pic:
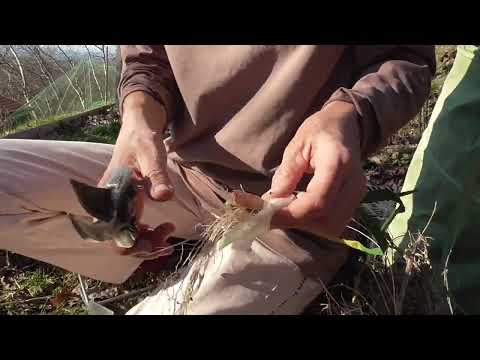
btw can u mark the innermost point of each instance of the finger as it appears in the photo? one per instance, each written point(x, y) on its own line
point(153, 165)
point(158, 237)
point(106, 175)
point(139, 204)
point(152, 241)
point(352, 194)
point(321, 193)
point(246, 200)
point(334, 223)
point(328, 176)
point(119, 161)
point(158, 240)
point(295, 163)
point(136, 175)
point(282, 219)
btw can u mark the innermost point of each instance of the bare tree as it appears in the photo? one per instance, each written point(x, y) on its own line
point(69, 59)
point(104, 51)
point(75, 87)
point(93, 69)
point(15, 83)
point(72, 65)
point(106, 74)
point(10, 79)
point(22, 74)
point(26, 70)
point(35, 51)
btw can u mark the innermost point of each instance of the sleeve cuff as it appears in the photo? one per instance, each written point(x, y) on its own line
point(163, 97)
point(370, 134)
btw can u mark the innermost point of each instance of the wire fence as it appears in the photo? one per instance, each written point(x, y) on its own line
point(89, 85)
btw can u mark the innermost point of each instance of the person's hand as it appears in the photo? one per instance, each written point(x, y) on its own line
point(150, 243)
point(140, 147)
point(327, 145)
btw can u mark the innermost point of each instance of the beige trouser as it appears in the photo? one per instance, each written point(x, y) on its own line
point(35, 197)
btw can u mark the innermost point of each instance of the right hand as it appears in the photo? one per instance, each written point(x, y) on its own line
point(140, 145)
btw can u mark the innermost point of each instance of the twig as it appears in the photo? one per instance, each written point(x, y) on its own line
point(26, 301)
point(406, 280)
point(42, 309)
point(83, 290)
point(329, 295)
point(379, 286)
point(445, 280)
point(361, 233)
point(128, 295)
point(365, 301)
point(391, 270)
point(431, 217)
point(392, 276)
point(357, 280)
point(17, 284)
point(409, 257)
point(7, 258)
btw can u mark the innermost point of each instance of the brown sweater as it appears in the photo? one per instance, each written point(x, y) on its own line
point(232, 109)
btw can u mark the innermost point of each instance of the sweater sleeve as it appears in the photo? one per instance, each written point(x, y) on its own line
point(147, 68)
point(389, 87)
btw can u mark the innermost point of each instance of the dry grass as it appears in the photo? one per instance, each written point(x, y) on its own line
point(379, 288)
point(376, 286)
point(187, 277)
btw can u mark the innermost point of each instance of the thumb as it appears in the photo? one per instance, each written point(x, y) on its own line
point(105, 177)
point(153, 166)
point(289, 173)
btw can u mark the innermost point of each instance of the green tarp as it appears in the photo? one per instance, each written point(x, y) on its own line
point(445, 171)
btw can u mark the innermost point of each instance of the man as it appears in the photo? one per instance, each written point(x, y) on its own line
point(279, 118)
point(443, 171)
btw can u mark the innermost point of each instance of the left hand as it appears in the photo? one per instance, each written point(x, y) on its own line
point(327, 144)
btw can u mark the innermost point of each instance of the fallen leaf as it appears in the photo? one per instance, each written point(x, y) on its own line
point(60, 298)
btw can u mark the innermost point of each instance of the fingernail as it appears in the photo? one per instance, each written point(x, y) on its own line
point(170, 227)
point(162, 189)
point(161, 192)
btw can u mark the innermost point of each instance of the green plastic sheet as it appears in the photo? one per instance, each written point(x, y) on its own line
point(445, 172)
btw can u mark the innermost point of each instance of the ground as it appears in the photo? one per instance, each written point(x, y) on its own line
point(31, 287)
